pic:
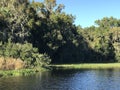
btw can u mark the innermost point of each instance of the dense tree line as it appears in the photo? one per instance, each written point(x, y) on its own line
point(38, 31)
point(104, 38)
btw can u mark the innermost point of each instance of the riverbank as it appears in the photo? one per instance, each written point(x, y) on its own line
point(24, 72)
point(87, 66)
point(21, 72)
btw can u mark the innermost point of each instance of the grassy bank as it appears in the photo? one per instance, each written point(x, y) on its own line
point(22, 72)
point(87, 66)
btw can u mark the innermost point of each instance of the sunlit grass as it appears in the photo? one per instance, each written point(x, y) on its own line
point(87, 66)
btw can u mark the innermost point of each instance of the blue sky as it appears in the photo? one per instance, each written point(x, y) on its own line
point(87, 11)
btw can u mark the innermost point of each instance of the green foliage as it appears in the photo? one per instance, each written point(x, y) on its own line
point(15, 18)
point(26, 53)
point(22, 72)
point(38, 31)
point(104, 38)
point(108, 22)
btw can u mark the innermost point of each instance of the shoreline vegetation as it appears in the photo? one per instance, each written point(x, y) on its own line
point(36, 34)
point(21, 72)
point(87, 66)
point(90, 66)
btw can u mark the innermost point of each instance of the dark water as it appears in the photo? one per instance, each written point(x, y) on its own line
point(65, 80)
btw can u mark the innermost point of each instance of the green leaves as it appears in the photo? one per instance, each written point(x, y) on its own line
point(108, 22)
point(25, 52)
point(28, 29)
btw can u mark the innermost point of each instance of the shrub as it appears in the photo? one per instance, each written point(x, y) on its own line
point(25, 52)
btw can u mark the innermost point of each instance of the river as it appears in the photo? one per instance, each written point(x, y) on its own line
point(65, 80)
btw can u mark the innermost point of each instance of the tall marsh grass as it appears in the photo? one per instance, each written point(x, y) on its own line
point(11, 64)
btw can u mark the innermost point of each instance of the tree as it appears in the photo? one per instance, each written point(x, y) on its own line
point(14, 18)
point(108, 22)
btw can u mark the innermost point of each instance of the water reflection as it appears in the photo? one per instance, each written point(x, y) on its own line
point(65, 80)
